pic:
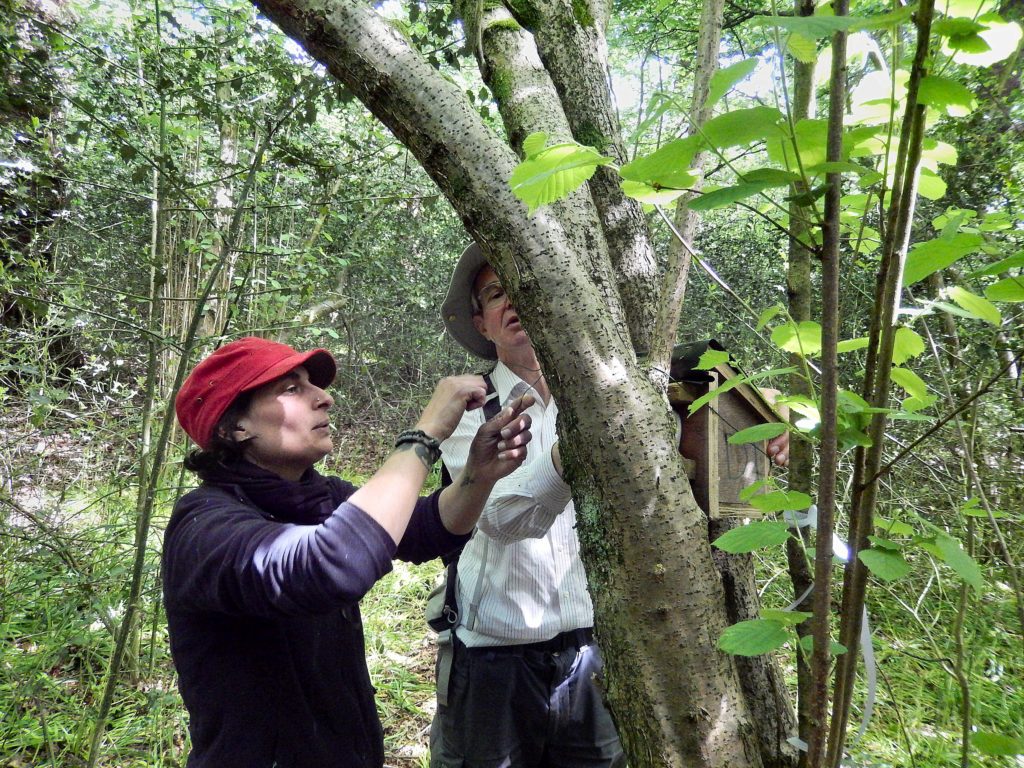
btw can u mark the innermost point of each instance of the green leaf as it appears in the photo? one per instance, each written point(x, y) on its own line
point(975, 305)
point(886, 544)
point(836, 649)
point(997, 743)
point(930, 185)
point(954, 27)
point(554, 173)
point(668, 166)
point(1010, 289)
point(811, 137)
point(707, 397)
point(757, 433)
point(886, 565)
point(1003, 265)
point(711, 358)
point(803, 49)
point(720, 198)
point(768, 314)
point(932, 255)
point(747, 493)
point(534, 143)
point(771, 177)
point(1001, 37)
point(759, 534)
point(822, 168)
point(811, 27)
point(645, 193)
point(753, 637)
point(906, 345)
point(851, 345)
point(803, 339)
point(893, 527)
point(940, 153)
point(777, 501)
point(786, 618)
point(741, 127)
point(726, 78)
point(946, 95)
point(910, 381)
point(956, 558)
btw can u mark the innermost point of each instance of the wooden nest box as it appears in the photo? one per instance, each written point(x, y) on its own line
point(718, 471)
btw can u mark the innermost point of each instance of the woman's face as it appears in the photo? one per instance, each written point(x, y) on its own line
point(286, 428)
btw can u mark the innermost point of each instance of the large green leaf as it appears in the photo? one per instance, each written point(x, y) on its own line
point(554, 173)
point(999, 38)
point(813, 27)
point(778, 501)
point(978, 307)
point(910, 381)
point(719, 198)
point(945, 95)
point(753, 637)
point(667, 167)
point(801, 48)
point(711, 358)
point(741, 127)
point(956, 558)
point(930, 185)
point(727, 77)
point(907, 344)
point(758, 432)
point(802, 339)
point(645, 193)
point(770, 177)
point(851, 345)
point(1010, 289)
point(786, 618)
point(885, 564)
point(811, 137)
point(759, 534)
point(932, 255)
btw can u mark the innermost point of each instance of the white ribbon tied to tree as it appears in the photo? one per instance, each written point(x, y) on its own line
point(841, 551)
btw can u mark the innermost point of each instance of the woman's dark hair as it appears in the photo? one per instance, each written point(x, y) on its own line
point(223, 449)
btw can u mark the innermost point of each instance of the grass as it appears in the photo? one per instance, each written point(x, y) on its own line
point(64, 571)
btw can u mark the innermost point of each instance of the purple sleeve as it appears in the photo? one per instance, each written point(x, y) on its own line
point(226, 557)
point(426, 537)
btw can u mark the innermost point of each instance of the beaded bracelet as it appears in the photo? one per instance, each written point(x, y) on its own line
point(432, 444)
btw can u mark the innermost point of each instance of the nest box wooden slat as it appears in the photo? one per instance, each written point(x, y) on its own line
point(718, 471)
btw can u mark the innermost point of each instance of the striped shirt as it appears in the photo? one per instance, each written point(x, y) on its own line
point(533, 585)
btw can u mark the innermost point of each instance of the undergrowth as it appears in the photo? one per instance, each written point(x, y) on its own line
point(64, 570)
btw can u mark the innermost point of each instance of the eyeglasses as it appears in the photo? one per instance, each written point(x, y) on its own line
point(491, 295)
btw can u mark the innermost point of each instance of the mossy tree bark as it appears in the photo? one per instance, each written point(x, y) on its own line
point(581, 280)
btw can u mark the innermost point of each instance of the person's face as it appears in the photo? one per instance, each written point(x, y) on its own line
point(497, 320)
point(286, 428)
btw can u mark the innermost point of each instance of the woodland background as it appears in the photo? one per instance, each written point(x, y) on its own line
point(332, 235)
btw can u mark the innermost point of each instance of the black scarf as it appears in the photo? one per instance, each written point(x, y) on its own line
point(307, 502)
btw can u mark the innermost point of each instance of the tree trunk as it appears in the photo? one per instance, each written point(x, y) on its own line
point(659, 604)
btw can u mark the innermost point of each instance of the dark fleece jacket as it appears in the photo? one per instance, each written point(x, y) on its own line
point(262, 579)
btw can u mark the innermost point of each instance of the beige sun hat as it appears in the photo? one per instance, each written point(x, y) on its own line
point(457, 309)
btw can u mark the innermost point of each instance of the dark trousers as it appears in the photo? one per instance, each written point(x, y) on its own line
point(526, 706)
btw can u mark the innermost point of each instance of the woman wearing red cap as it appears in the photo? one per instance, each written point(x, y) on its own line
point(265, 562)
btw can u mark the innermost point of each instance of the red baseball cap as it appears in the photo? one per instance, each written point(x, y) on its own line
point(235, 368)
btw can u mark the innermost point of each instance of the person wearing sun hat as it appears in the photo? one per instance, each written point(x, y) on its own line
point(522, 690)
point(265, 562)
point(523, 687)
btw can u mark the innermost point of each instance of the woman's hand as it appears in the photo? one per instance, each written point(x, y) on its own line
point(452, 397)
